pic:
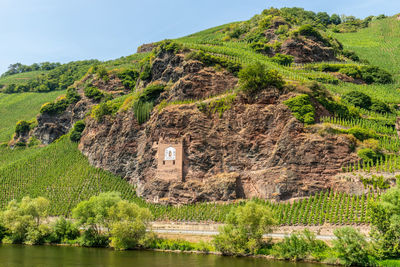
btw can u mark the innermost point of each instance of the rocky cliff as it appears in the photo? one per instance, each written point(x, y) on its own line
point(255, 149)
point(234, 146)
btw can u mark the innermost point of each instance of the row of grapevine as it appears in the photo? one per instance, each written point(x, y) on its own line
point(388, 164)
point(379, 127)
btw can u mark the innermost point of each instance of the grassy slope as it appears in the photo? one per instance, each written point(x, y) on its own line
point(20, 78)
point(24, 106)
point(379, 44)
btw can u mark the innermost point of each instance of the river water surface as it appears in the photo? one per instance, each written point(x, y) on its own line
point(49, 256)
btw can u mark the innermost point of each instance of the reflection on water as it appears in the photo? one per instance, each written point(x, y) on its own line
point(49, 256)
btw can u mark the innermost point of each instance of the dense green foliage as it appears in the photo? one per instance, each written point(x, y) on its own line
point(59, 78)
point(22, 127)
point(300, 246)
point(108, 217)
point(93, 93)
point(54, 108)
point(256, 77)
point(386, 223)
point(244, 229)
point(21, 68)
point(128, 77)
point(77, 130)
point(351, 247)
point(302, 108)
point(211, 60)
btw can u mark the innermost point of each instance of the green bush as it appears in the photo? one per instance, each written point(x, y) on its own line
point(129, 223)
point(77, 130)
point(302, 108)
point(168, 46)
point(351, 247)
point(102, 73)
point(282, 59)
point(379, 106)
point(144, 103)
point(109, 218)
point(299, 246)
point(353, 72)
point(72, 95)
point(361, 133)
point(128, 78)
point(256, 77)
point(64, 231)
point(244, 229)
point(350, 55)
point(54, 108)
point(358, 99)
point(261, 47)
point(105, 108)
point(145, 73)
point(22, 127)
point(309, 31)
point(373, 74)
point(385, 220)
point(211, 60)
point(93, 93)
point(24, 220)
point(367, 154)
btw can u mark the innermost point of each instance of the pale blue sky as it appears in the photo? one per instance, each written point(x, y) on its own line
point(63, 31)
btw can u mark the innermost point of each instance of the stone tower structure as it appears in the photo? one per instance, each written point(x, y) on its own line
point(170, 160)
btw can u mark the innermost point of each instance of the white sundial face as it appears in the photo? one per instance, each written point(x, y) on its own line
point(170, 153)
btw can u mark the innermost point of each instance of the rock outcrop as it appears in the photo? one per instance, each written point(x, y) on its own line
point(308, 50)
point(255, 149)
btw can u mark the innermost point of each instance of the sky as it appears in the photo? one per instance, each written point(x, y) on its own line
point(68, 30)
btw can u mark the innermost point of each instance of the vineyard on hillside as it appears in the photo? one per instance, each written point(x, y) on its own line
point(23, 106)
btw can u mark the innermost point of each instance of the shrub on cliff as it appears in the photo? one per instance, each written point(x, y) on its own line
point(302, 108)
point(256, 77)
point(128, 78)
point(245, 226)
point(72, 95)
point(22, 127)
point(53, 108)
point(309, 31)
point(212, 60)
point(77, 130)
point(93, 93)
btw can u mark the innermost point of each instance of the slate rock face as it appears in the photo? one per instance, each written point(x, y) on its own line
point(308, 50)
point(255, 149)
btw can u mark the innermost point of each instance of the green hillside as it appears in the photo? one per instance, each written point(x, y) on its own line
point(62, 174)
point(22, 106)
point(20, 77)
point(379, 44)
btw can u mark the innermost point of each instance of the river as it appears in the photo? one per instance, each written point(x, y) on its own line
point(49, 256)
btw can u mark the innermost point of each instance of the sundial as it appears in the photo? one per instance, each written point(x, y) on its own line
point(170, 153)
